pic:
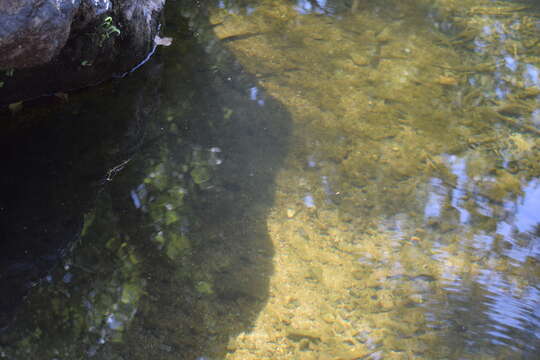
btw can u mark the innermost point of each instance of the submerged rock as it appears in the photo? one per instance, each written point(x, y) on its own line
point(47, 46)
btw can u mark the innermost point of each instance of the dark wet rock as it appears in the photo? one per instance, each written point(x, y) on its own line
point(49, 46)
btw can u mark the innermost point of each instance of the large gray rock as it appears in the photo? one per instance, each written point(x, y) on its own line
point(32, 32)
point(48, 46)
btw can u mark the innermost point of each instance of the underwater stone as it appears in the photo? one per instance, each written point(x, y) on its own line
point(200, 175)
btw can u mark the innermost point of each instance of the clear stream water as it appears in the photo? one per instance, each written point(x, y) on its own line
point(300, 180)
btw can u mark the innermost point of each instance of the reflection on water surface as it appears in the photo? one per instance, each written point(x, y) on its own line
point(331, 180)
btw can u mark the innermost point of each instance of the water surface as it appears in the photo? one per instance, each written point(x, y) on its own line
point(321, 180)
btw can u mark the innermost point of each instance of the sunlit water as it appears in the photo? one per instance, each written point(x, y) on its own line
point(318, 180)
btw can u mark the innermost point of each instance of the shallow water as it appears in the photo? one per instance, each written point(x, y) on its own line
point(310, 180)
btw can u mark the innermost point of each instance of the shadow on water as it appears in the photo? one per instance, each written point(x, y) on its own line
point(147, 199)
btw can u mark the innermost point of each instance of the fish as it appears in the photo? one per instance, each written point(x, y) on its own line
point(239, 37)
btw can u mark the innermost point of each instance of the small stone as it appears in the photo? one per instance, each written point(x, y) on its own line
point(359, 59)
point(200, 175)
point(328, 318)
point(385, 35)
point(291, 213)
point(62, 96)
point(165, 347)
point(447, 80)
point(15, 107)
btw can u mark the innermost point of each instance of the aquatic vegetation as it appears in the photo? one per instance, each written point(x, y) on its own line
point(107, 29)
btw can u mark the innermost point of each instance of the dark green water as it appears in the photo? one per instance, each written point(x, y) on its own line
point(291, 180)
